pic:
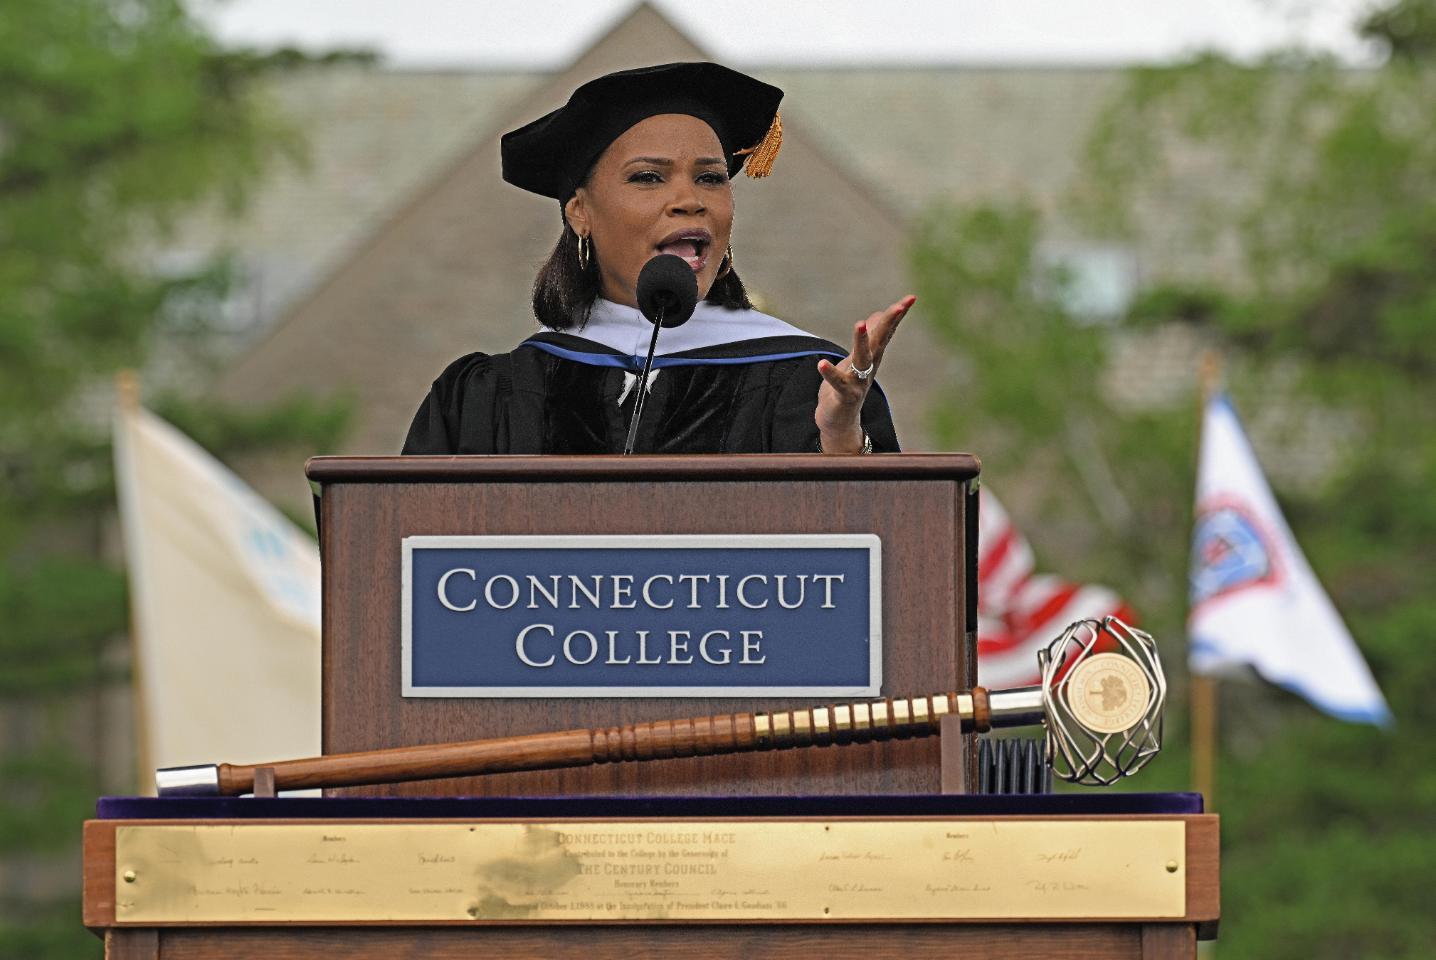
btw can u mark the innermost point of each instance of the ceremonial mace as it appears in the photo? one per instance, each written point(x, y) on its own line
point(1100, 699)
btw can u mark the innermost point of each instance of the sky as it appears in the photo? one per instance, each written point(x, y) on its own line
point(546, 34)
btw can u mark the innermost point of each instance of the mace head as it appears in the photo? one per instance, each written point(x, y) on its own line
point(1103, 692)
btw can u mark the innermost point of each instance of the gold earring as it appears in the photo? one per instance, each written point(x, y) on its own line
point(585, 250)
point(727, 267)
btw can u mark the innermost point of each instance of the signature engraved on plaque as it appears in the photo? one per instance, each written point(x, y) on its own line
point(1108, 693)
point(1057, 886)
point(937, 890)
point(1060, 856)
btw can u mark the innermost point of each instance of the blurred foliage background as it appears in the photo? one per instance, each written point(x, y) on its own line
point(1326, 827)
point(117, 117)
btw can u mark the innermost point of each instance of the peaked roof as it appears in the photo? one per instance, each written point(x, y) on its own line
point(377, 137)
point(372, 139)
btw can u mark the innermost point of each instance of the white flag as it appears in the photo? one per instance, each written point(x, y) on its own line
point(1255, 600)
point(225, 597)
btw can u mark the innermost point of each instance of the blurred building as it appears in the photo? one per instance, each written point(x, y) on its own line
point(397, 247)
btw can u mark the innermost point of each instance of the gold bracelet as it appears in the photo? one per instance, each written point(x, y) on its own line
point(867, 443)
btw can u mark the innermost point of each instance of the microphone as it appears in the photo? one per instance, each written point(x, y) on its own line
point(667, 294)
point(667, 290)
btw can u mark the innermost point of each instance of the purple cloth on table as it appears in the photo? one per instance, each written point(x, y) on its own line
point(655, 808)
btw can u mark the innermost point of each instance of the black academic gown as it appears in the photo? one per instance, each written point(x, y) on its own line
point(562, 394)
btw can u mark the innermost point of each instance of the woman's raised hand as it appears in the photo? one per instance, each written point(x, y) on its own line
point(845, 384)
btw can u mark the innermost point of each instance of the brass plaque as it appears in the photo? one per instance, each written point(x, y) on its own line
point(650, 870)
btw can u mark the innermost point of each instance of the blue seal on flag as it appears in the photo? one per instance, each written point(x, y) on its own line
point(1230, 552)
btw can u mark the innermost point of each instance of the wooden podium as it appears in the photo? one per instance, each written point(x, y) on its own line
point(923, 507)
point(797, 817)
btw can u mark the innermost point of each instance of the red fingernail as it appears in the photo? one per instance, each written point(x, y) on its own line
point(863, 329)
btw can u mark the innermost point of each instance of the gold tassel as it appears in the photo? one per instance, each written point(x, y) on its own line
point(761, 155)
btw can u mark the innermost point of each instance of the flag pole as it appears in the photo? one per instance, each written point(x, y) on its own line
point(127, 403)
point(1204, 688)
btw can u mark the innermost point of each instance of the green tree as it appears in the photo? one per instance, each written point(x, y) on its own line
point(116, 117)
point(1031, 397)
point(1319, 183)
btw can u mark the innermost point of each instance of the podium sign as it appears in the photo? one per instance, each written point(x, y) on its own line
point(642, 616)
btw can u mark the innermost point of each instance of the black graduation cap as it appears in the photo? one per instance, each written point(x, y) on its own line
point(551, 155)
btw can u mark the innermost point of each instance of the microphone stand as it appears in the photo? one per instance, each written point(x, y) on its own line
point(643, 386)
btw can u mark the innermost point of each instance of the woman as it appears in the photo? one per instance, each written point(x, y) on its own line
point(640, 162)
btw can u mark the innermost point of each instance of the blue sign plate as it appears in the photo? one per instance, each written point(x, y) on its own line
point(643, 616)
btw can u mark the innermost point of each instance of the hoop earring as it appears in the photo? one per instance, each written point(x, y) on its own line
point(585, 252)
point(727, 264)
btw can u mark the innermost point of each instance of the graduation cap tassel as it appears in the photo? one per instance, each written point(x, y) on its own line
point(762, 155)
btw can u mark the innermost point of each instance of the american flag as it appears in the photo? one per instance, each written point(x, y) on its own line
point(1019, 611)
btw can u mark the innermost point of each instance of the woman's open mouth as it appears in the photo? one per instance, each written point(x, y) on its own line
point(691, 245)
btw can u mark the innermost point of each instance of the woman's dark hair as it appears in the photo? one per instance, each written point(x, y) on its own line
point(564, 294)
